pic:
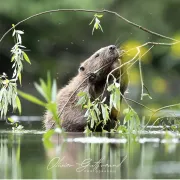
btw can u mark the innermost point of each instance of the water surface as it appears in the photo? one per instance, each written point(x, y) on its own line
point(153, 154)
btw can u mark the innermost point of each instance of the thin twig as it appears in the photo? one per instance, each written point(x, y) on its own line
point(139, 104)
point(115, 69)
point(135, 61)
point(90, 11)
point(157, 110)
point(141, 78)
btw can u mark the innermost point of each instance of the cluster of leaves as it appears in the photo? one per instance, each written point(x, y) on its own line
point(131, 121)
point(115, 95)
point(98, 112)
point(96, 21)
point(8, 87)
point(48, 91)
point(18, 55)
point(8, 95)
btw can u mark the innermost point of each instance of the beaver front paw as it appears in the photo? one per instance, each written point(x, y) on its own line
point(92, 77)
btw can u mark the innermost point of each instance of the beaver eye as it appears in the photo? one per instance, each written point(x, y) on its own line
point(81, 68)
point(96, 55)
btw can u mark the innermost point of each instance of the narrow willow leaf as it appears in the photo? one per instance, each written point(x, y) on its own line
point(110, 87)
point(96, 25)
point(48, 134)
point(44, 88)
point(111, 101)
point(101, 28)
point(12, 58)
point(92, 30)
point(26, 57)
point(18, 102)
point(81, 93)
point(19, 38)
point(104, 131)
point(40, 90)
point(14, 32)
point(31, 98)
point(87, 113)
point(10, 119)
point(105, 113)
point(117, 98)
point(126, 111)
point(98, 15)
point(97, 112)
point(20, 78)
point(81, 101)
point(49, 85)
point(92, 21)
point(54, 91)
point(52, 107)
point(19, 32)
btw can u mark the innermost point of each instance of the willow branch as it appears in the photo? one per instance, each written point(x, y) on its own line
point(90, 11)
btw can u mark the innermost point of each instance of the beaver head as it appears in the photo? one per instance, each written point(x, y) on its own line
point(101, 59)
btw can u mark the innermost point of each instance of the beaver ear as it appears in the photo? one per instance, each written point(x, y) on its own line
point(81, 68)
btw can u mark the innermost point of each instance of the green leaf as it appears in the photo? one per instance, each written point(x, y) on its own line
point(105, 113)
point(52, 107)
point(96, 25)
point(26, 57)
point(12, 58)
point(92, 21)
point(20, 127)
point(111, 101)
point(40, 90)
point(104, 131)
point(48, 134)
point(31, 98)
point(98, 15)
point(122, 129)
point(10, 119)
point(48, 144)
point(49, 85)
point(87, 130)
point(81, 93)
point(20, 78)
point(117, 99)
point(54, 91)
point(81, 101)
point(18, 102)
point(19, 32)
point(101, 28)
point(126, 111)
point(110, 87)
point(44, 88)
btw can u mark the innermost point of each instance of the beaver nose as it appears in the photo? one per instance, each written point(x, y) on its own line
point(112, 47)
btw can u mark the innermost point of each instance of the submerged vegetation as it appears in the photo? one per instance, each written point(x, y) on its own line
point(97, 111)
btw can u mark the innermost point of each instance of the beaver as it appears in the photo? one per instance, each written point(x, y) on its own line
point(91, 78)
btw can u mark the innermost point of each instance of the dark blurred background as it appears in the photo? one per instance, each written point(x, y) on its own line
point(58, 42)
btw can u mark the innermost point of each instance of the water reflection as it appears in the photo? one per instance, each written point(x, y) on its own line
point(151, 155)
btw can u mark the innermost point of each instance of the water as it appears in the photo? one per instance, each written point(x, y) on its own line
point(153, 154)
